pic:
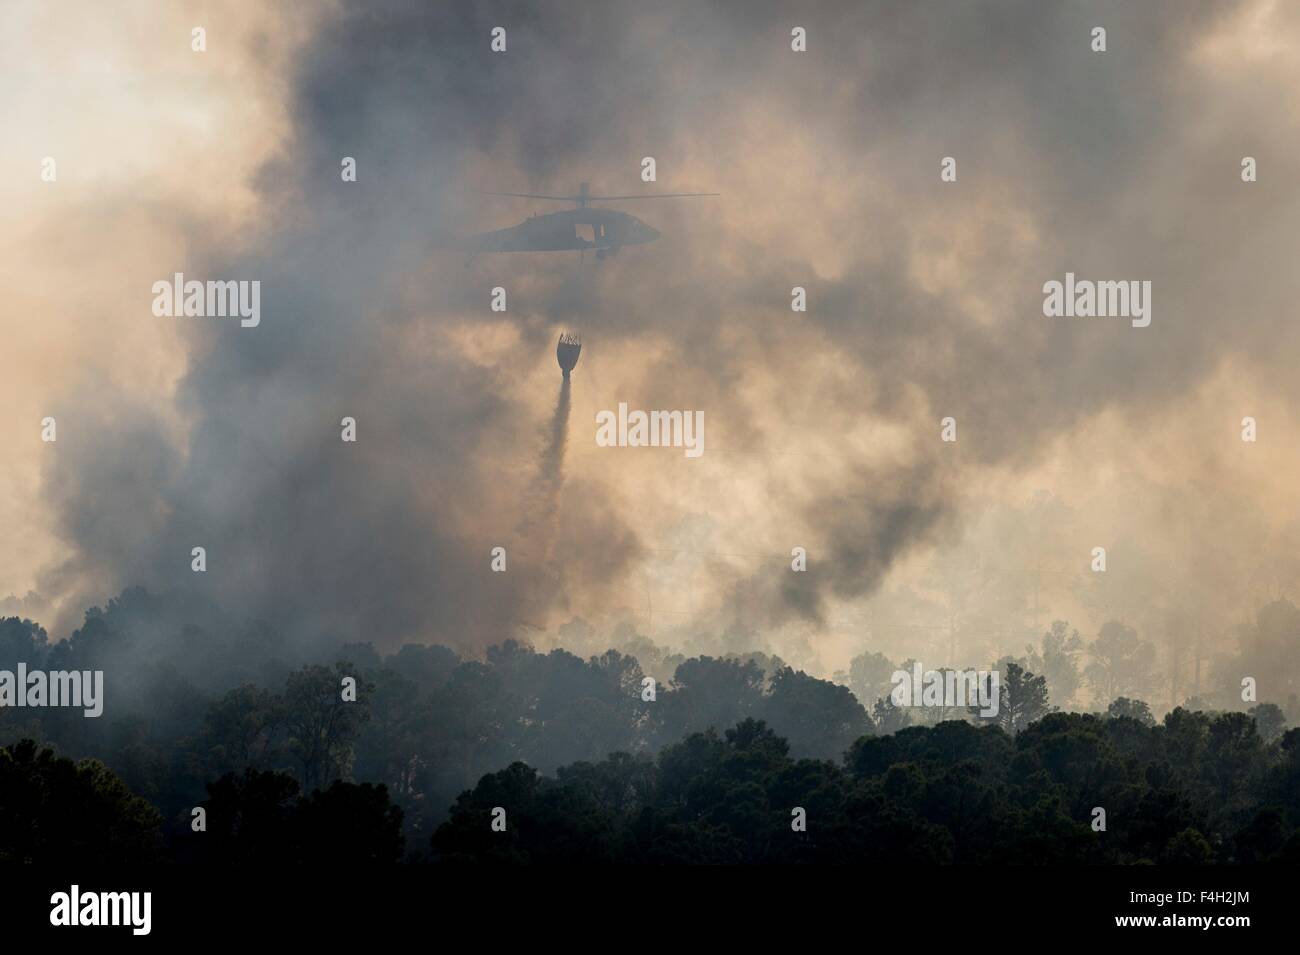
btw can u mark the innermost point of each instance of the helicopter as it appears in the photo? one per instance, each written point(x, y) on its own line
point(579, 229)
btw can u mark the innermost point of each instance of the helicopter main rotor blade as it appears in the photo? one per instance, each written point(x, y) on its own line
point(529, 195)
point(659, 195)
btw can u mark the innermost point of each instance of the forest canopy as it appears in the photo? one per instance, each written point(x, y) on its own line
point(524, 756)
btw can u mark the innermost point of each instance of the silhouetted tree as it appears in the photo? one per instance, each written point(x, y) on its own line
point(57, 812)
point(1132, 709)
point(1270, 721)
point(321, 725)
point(870, 676)
point(1121, 663)
point(1021, 699)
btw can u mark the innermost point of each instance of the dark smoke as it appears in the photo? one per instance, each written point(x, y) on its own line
point(1092, 157)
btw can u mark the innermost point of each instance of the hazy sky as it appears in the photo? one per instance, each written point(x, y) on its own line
point(822, 429)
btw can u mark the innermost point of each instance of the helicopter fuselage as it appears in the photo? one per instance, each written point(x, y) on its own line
point(572, 230)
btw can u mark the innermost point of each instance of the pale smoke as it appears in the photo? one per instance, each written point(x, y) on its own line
point(937, 313)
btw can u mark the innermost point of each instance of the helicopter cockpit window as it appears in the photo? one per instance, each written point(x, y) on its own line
point(585, 231)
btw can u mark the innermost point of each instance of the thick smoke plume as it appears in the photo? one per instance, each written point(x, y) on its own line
point(924, 302)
